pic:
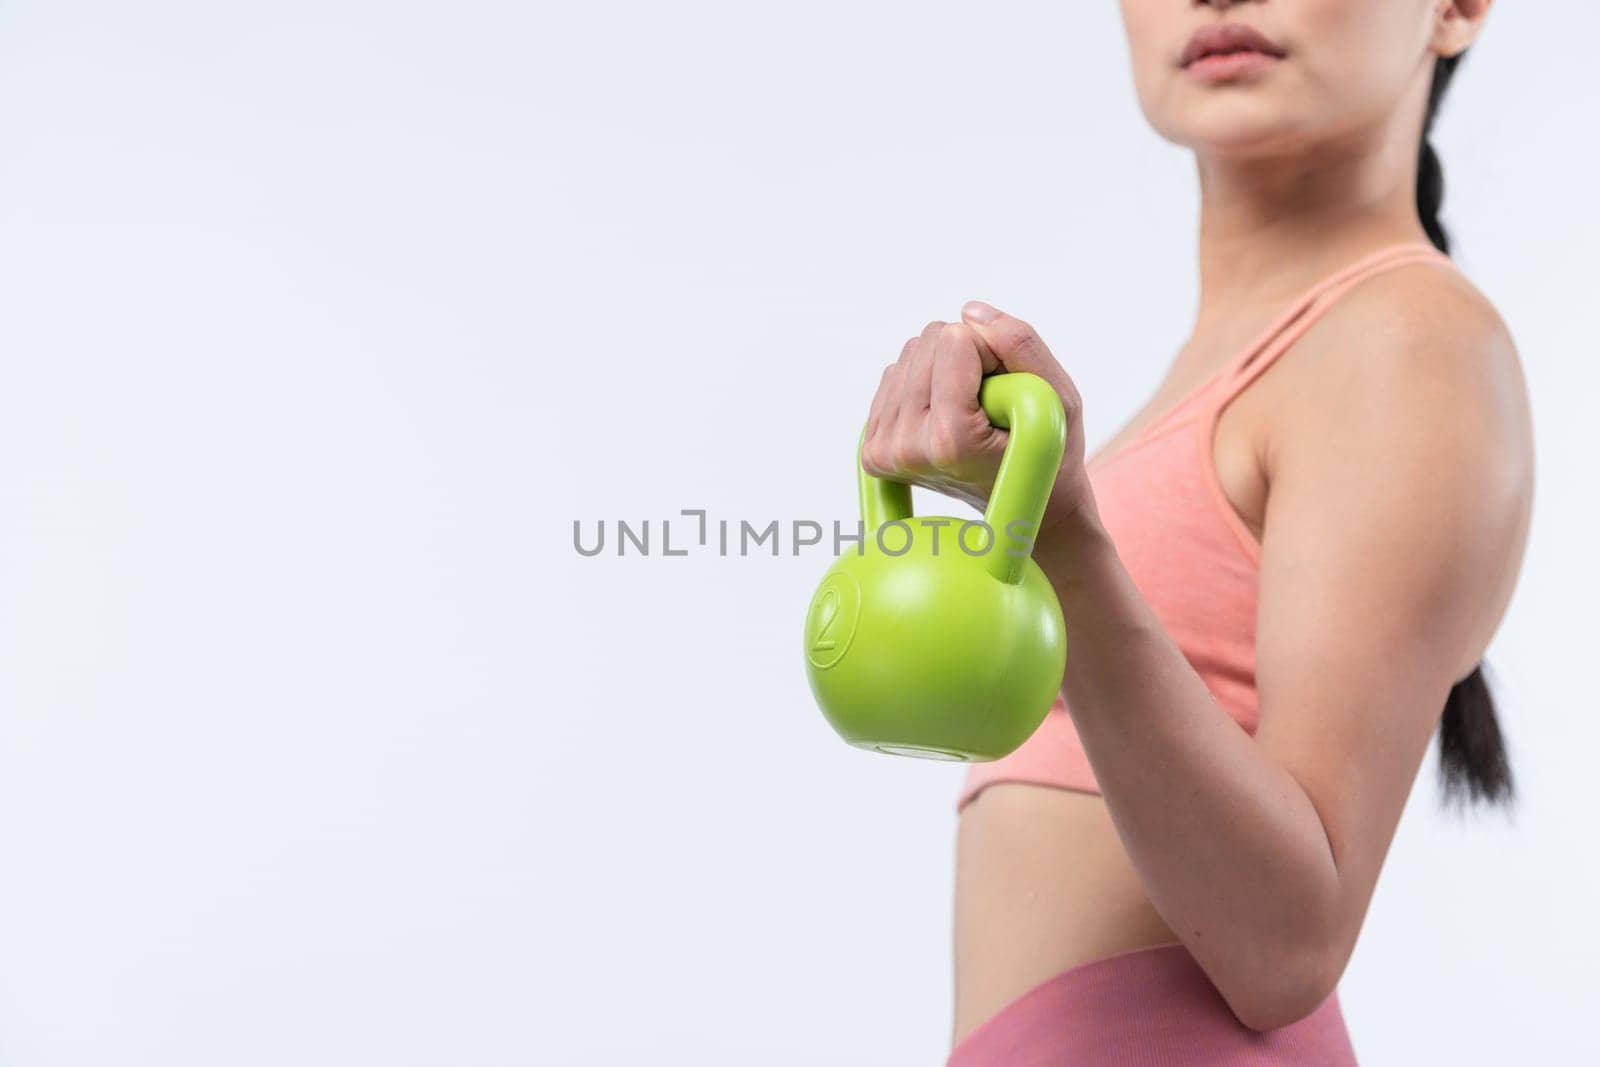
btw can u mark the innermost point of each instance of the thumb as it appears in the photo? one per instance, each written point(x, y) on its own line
point(1015, 345)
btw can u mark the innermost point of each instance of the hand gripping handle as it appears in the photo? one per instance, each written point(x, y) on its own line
point(1029, 408)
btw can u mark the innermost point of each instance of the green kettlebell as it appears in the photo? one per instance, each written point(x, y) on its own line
point(941, 637)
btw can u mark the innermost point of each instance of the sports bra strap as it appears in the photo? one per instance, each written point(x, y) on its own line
point(1308, 309)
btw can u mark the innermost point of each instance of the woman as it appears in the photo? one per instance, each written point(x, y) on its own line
point(1279, 578)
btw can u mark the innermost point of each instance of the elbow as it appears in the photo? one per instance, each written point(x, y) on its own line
point(1286, 987)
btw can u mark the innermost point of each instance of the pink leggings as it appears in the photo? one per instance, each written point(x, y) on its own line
point(1152, 1007)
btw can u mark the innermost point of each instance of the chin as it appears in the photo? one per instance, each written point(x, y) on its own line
point(1237, 127)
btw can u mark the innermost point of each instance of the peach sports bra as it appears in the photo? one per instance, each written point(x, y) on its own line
point(1185, 547)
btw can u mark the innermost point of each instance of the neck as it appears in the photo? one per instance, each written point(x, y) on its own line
point(1270, 227)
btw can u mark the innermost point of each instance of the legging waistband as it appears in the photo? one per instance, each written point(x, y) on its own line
point(1152, 1007)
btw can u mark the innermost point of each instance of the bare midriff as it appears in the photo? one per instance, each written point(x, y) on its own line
point(1042, 885)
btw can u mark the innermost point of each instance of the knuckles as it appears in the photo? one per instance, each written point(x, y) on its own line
point(905, 455)
point(1016, 334)
point(872, 461)
point(944, 340)
point(891, 455)
point(939, 446)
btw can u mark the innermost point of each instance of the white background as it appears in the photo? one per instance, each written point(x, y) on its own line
point(321, 322)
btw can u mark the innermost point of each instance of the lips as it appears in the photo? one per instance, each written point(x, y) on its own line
point(1228, 39)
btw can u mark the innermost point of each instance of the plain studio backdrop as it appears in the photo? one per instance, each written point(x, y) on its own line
point(321, 323)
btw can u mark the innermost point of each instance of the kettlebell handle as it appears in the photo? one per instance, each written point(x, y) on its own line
point(1029, 408)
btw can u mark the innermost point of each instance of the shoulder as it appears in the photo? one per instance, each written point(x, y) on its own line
point(1415, 325)
point(1402, 455)
point(1417, 358)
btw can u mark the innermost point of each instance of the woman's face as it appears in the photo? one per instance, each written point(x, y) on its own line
point(1268, 76)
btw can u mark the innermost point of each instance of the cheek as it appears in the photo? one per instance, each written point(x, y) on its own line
point(1357, 56)
point(1150, 26)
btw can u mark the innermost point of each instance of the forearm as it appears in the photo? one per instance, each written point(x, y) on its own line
point(1228, 845)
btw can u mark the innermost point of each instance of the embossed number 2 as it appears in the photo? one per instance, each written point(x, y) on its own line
point(827, 615)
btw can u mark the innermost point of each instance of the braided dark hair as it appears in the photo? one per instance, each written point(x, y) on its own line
point(1473, 764)
point(1430, 172)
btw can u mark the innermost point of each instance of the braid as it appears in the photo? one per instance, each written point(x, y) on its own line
point(1430, 171)
point(1473, 764)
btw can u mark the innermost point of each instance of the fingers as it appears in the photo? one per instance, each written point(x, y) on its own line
point(886, 401)
point(926, 426)
point(956, 423)
point(925, 416)
point(1018, 347)
point(900, 405)
point(1013, 342)
point(916, 380)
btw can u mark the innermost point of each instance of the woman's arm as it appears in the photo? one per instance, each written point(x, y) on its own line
point(1398, 502)
point(1399, 492)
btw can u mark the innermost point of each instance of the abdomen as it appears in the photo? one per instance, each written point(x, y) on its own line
point(1042, 885)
